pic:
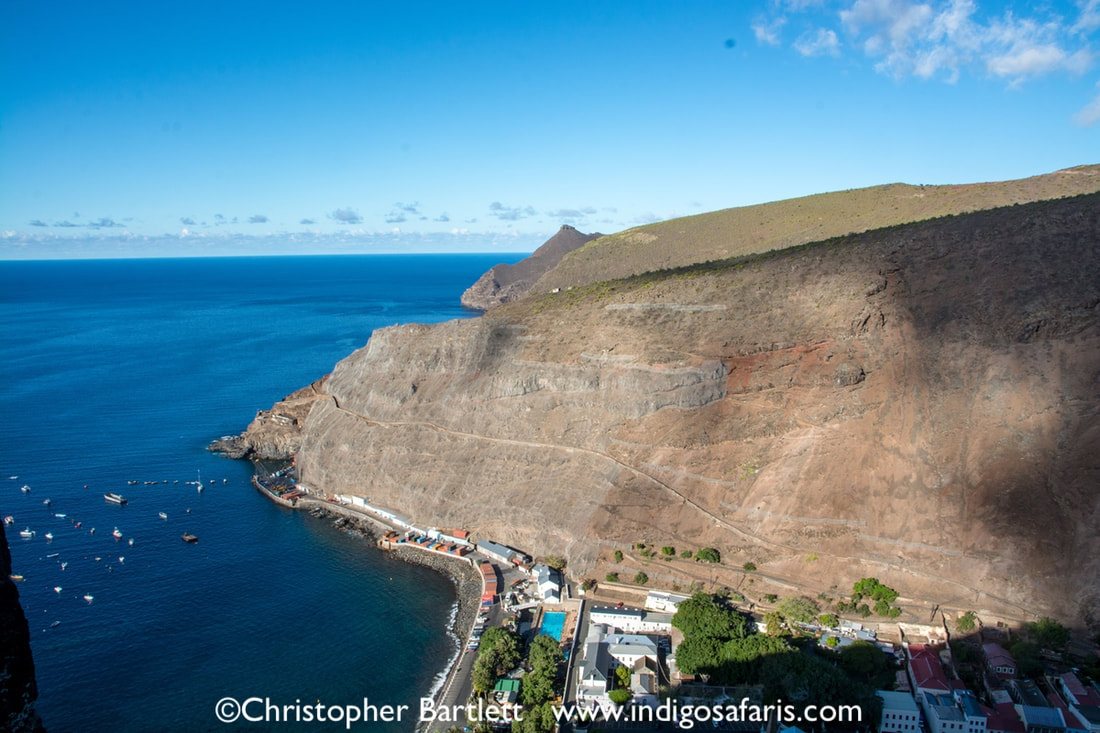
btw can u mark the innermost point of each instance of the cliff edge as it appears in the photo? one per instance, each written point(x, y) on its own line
point(18, 689)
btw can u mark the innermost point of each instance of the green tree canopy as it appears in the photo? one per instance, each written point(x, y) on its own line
point(705, 615)
point(800, 609)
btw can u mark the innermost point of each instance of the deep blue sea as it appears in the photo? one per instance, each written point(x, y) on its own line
point(124, 370)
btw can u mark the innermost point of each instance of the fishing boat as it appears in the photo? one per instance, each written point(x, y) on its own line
point(49, 536)
point(116, 534)
point(25, 489)
point(131, 542)
point(60, 515)
point(16, 578)
point(57, 589)
point(115, 498)
point(26, 533)
point(89, 597)
point(198, 484)
point(162, 515)
point(46, 502)
point(189, 538)
point(64, 565)
point(9, 520)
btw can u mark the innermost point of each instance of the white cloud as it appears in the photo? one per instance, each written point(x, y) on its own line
point(767, 31)
point(1089, 18)
point(819, 43)
point(1090, 113)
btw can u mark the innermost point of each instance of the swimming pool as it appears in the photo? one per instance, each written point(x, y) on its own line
point(552, 624)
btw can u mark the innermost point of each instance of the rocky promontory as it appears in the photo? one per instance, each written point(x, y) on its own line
point(504, 283)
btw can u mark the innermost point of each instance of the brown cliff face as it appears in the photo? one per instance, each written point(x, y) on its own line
point(505, 283)
point(18, 689)
point(921, 404)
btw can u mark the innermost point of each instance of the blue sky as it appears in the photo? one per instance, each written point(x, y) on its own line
point(238, 127)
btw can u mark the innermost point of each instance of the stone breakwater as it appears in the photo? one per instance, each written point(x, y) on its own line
point(363, 527)
point(466, 578)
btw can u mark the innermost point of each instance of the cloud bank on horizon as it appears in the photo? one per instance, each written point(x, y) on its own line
point(488, 130)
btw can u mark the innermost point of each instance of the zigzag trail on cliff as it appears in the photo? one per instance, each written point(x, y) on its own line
point(686, 500)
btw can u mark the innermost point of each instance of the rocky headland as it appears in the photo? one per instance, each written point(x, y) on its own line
point(505, 283)
point(919, 403)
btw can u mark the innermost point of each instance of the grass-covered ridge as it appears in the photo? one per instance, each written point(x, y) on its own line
point(733, 233)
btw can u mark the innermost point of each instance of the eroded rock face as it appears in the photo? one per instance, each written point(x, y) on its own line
point(18, 689)
point(918, 404)
point(505, 283)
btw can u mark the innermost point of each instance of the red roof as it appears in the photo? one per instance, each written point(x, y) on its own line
point(1083, 695)
point(1004, 720)
point(927, 671)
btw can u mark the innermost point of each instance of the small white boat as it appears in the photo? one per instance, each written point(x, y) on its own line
point(116, 534)
point(12, 478)
point(49, 536)
point(25, 489)
point(9, 520)
point(162, 515)
point(46, 502)
point(121, 559)
point(60, 516)
point(131, 541)
point(198, 484)
point(115, 498)
point(57, 589)
point(26, 533)
point(89, 597)
point(64, 565)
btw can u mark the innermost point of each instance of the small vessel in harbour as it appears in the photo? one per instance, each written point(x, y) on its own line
point(198, 484)
point(131, 541)
point(162, 515)
point(9, 520)
point(46, 502)
point(89, 597)
point(16, 578)
point(25, 489)
point(116, 534)
point(49, 536)
point(26, 533)
point(60, 515)
point(115, 498)
point(57, 589)
point(189, 538)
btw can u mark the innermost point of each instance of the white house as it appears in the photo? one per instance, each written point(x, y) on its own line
point(663, 602)
point(604, 652)
point(632, 620)
point(900, 713)
point(549, 583)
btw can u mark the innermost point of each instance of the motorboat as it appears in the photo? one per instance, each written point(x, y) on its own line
point(116, 534)
point(26, 533)
point(189, 538)
point(115, 498)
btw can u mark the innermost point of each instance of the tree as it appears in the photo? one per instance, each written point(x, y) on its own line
point(498, 653)
point(618, 555)
point(831, 642)
point(828, 620)
point(801, 609)
point(699, 654)
point(873, 589)
point(749, 567)
point(866, 663)
point(1048, 633)
point(544, 655)
point(966, 622)
point(619, 696)
point(774, 622)
point(536, 719)
point(686, 554)
point(641, 578)
point(622, 677)
point(705, 615)
point(557, 562)
point(708, 554)
point(612, 578)
point(668, 550)
point(588, 584)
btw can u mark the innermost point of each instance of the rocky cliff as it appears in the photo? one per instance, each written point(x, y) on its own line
point(18, 689)
point(504, 283)
point(919, 403)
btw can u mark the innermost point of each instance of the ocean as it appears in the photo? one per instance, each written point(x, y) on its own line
point(119, 371)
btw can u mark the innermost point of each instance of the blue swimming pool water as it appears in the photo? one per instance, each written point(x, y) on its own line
point(552, 623)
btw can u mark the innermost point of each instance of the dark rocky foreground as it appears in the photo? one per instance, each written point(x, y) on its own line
point(18, 689)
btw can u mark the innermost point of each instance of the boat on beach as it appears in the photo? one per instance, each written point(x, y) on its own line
point(114, 498)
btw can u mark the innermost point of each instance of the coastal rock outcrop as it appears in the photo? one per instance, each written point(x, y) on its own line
point(918, 403)
point(504, 283)
point(18, 688)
